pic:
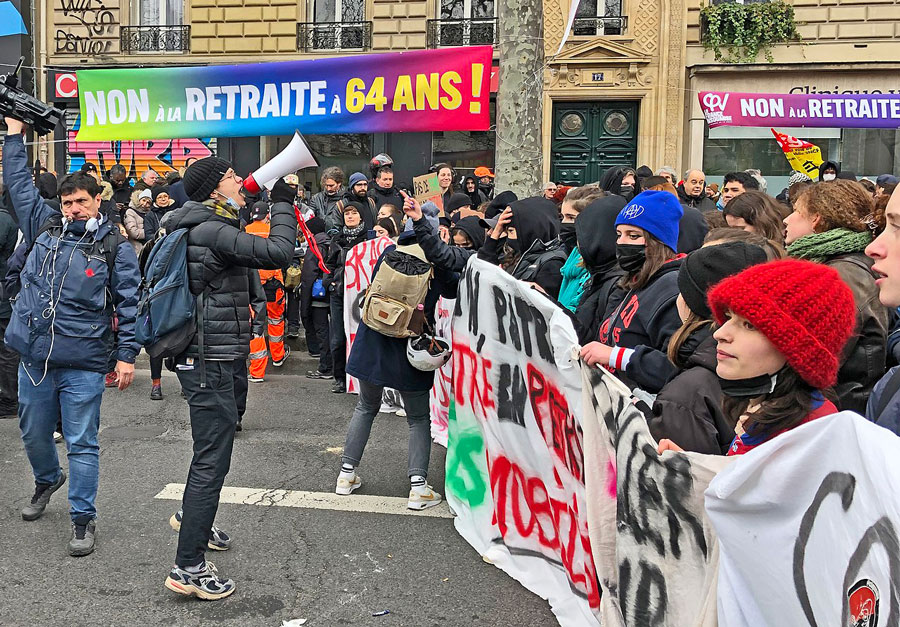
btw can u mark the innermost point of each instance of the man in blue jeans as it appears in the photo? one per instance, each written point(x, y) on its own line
point(78, 275)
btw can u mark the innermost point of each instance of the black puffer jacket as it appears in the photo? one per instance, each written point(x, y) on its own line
point(688, 410)
point(219, 254)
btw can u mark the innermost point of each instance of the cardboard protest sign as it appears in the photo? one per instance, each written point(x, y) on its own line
point(358, 268)
point(515, 468)
point(426, 187)
point(654, 547)
point(809, 528)
point(802, 155)
point(445, 89)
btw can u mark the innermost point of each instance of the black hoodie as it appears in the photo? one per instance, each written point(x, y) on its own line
point(595, 228)
point(536, 221)
point(644, 321)
point(827, 164)
point(471, 226)
point(611, 181)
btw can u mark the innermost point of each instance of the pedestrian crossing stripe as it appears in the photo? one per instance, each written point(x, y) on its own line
point(361, 503)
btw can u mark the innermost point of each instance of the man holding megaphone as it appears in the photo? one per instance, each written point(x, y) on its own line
point(218, 256)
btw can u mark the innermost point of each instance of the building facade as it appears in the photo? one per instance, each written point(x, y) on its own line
point(847, 46)
point(80, 34)
point(613, 93)
point(622, 90)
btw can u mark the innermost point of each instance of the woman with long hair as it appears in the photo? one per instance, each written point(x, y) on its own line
point(782, 327)
point(830, 225)
point(757, 212)
point(634, 336)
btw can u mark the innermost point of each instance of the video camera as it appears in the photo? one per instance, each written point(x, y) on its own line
point(15, 103)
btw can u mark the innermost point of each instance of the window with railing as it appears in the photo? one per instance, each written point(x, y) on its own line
point(599, 17)
point(159, 27)
point(463, 23)
point(335, 25)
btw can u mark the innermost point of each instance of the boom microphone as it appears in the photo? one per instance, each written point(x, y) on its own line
point(295, 157)
point(15, 103)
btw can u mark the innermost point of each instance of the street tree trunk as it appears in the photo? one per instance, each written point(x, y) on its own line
point(519, 151)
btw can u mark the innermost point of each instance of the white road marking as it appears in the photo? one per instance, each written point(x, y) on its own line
point(314, 500)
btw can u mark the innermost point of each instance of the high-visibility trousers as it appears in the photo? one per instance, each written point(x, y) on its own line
point(259, 355)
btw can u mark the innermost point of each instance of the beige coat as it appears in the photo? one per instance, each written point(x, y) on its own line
point(134, 227)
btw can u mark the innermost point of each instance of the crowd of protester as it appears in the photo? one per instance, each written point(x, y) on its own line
point(736, 313)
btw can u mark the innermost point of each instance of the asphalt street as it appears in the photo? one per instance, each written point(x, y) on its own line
point(330, 567)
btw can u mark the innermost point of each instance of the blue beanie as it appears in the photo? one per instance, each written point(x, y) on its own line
point(657, 212)
point(357, 177)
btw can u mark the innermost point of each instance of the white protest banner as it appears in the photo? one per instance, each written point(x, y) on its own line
point(515, 468)
point(654, 547)
point(442, 391)
point(808, 525)
point(358, 268)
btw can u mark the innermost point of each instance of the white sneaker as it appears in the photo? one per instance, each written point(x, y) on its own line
point(57, 437)
point(423, 497)
point(347, 484)
point(387, 409)
point(401, 412)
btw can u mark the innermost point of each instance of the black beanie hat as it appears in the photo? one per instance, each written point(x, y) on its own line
point(316, 225)
point(705, 267)
point(456, 202)
point(159, 189)
point(203, 176)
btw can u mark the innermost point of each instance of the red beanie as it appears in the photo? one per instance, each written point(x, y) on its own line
point(803, 308)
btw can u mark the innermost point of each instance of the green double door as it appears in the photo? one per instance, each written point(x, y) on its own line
point(589, 137)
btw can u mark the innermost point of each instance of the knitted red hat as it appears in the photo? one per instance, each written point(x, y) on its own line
point(803, 308)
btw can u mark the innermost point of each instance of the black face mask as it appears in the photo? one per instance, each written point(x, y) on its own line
point(514, 245)
point(749, 388)
point(567, 234)
point(626, 191)
point(631, 256)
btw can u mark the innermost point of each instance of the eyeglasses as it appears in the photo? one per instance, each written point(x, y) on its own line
point(232, 175)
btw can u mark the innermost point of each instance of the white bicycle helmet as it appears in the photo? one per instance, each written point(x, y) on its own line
point(427, 353)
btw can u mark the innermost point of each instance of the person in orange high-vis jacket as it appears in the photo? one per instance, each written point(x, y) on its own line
point(273, 284)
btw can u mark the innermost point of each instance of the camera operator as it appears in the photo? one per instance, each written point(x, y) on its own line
point(79, 275)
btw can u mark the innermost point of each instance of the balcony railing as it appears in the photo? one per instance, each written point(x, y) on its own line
point(593, 26)
point(155, 39)
point(458, 32)
point(334, 36)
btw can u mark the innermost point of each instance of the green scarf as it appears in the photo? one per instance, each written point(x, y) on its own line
point(221, 209)
point(820, 246)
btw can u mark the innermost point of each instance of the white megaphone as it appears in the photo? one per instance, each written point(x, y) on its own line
point(295, 157)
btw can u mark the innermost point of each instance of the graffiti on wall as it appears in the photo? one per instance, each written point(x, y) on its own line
point(87, 27)
point(162, 155)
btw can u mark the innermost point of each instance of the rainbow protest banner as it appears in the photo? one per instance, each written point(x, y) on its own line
point(427, 90)
point(802, 155)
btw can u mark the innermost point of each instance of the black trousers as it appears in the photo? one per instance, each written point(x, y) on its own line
point(240, 386)
point(214, 416)
point(338, 338)
point(292, 312)
point(9, 374)
point(322, 328)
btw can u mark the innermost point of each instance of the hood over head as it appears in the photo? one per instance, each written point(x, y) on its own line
point(471, 226)
point(500, 202)
point(595, 228)
point(535, 219)
point(826, 164)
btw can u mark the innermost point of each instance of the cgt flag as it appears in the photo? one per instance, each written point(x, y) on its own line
point(803, 156)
